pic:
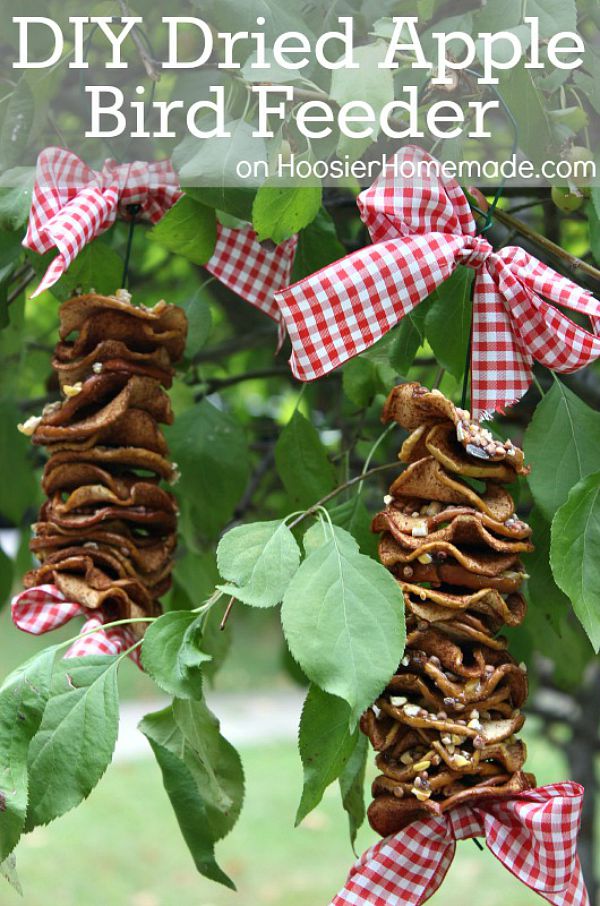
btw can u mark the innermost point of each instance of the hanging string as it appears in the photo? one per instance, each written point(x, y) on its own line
point(133, 210)
point(488, 216)
point(467, 374)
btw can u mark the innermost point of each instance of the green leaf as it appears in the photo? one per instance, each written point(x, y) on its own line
point(228, 15)
point(575, 553)
point(260, 559)
point(375, 370)
point(197, 576)
point(215, 642)
point(543, 594)
point(562, 445)
point(343, 618)
point(353, 516)
point(10, 253)
point(318, 246)
point(587, 85)
point(551, 640)
point(187, 804)
point(302, 463)
point(202, 775)
point(325, 744)
point(233, 202)
point(18, 489)
point(529, 110)
point(215, 163)
point(211, 451)
point(199, 317)
point(188, 229)
point(405, 341)
point(554, 16)
point(170, 656)
point(8, 870)
point(10, 248)
point(195, 580)
point(76, 739)
point(361, 381)
point(217, 768)
point(368, 83)
point(352, 787)
point(16, 187)
point(591, 209)
point(320, 534)
point(23, 697)
point(495, 18)
point(17, 124)
point(572, 118)
point(273, 72)
point(97, 267)
point(448, 321)
point(278, 213)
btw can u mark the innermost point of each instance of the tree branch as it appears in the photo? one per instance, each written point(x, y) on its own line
point(264, 466)
point(230, 347)
point(358, 479)
point(22, 285)
point(551, 248)
point(213, 385)
point(151, 66)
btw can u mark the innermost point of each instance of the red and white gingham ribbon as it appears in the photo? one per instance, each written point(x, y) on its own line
point(72, 204)
point(252, 270)
point(422, 228)
point(534, 835)
point(42, 609)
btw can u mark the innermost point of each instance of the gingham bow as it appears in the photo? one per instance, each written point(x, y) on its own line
point(534, 835)
point(72, 204)
point(42, 609)
point(422, 229)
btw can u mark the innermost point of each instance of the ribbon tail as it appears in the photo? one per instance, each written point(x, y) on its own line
point(534, 836)
point(549, 336)
point(60, 174)
point(574, 892)
point(53, 274)
point(110, 642)
point(546, 282)
point(403, 870)
point(500, 362)
point(42, 609)
point(90, 213)
point(345, 308)
point(252, 270)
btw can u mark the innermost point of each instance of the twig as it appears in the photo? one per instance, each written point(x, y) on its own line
point(213, 385)
point(425, 362)
point(530, 204)
point(230, 347)
point(38, 402)
point(226, 614)
point(571, 261)
point(150, 65)
point(311, 511)
point(39, 347)
point(22, 285)
point(256, 478)
point(22, 269)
